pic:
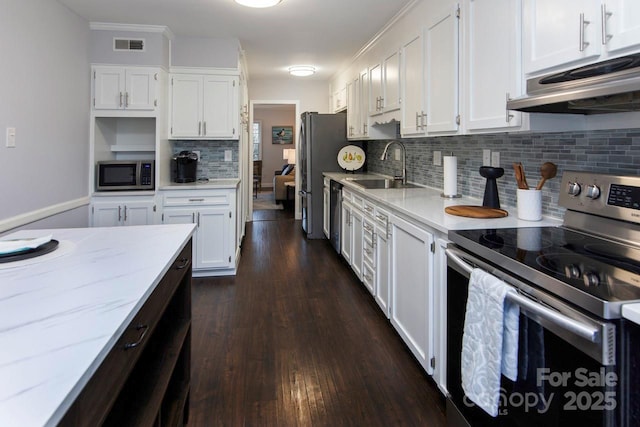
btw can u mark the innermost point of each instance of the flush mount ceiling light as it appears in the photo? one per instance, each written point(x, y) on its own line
point(302, 70)
point(258, 3)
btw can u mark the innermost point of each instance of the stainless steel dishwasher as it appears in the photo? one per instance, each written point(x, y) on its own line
point(335, 214)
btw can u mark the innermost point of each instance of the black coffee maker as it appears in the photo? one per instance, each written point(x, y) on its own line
point(184, 167)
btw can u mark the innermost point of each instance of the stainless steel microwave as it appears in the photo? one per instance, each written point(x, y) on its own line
point(117, 175)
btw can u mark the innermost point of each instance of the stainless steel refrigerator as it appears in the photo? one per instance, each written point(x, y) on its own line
point(321, 138)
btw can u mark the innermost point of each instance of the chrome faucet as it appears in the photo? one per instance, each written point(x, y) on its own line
point(402, 177)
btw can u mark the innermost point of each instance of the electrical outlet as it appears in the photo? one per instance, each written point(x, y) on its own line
point(495, 159)
point(227, 155)
point(437, 158)
point(11, 137)
point(396, 154)
point(197, 152)
point(486, 157)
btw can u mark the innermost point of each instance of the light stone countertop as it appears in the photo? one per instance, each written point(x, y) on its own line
point(631, 312)
point(61, 313)
point(425, 205)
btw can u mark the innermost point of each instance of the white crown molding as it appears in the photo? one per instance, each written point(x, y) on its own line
point(205, 70)
point(111, 26)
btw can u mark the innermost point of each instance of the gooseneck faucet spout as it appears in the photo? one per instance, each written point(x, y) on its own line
point(402, 177)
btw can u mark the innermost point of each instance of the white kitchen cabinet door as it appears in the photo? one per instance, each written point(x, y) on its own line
point(186, 105)
point(391, 82)
point(411, 288)
point(124, 88)
point(364, 103)
point(213, 244)
point(106, 214)
point(345, 232)
point(412, 82)
point(340, 99)
point(220, 107)
point(140, 91)
point(139, 213)
point(558, 33)
point(356, 241)
point(620, 24)
point(353, 108)
point(440, 315)
point(382, 261)
point(492, 30)
point(441, 62)
point(108, 88)
point(376, 92)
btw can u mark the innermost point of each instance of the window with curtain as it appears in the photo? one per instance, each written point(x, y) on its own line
point(257, 140)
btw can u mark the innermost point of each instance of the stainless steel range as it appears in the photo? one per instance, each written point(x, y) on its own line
point(571, 283)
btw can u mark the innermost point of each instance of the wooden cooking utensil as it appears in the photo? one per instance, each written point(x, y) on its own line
point(548, 170)
point(520, 179)
point(476, 211)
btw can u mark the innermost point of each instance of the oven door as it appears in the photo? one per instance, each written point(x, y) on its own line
point(567, 367)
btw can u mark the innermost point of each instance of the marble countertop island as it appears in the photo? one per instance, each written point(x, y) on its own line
point(61, 313)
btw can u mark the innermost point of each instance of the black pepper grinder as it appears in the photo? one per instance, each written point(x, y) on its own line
point(491, 198)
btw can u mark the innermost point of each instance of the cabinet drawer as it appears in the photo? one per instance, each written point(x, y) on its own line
point(347, 196)
point(357, 200)
point(382, 217)
point(195, 198)
point(368, 253)
point(93, 404)
point(368, 208)
point(368, 276)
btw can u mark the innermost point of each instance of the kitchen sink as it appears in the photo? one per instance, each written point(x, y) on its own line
point(374, 184)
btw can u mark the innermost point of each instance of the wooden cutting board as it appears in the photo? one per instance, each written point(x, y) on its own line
point(476, 211)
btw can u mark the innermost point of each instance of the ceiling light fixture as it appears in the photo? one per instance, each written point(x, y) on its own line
point(258, 3)
point(302, 70)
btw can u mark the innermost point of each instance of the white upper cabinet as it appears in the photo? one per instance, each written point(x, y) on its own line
point(441, 62)
point(413, 119)
point(620, 24)
point(572, 32)
point(384, 85)
point(124, 88)
point(340, 99)
point(491, 70)
point(353, 108)
point(204, 106)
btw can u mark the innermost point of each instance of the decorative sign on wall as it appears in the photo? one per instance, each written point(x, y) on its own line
point(282, 135)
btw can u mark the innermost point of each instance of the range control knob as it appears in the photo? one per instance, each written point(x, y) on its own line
point(572, 271)
point(591, 279)
point(574, 189)
point(593, 191)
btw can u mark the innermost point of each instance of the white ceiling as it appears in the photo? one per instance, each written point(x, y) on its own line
point(323, 33)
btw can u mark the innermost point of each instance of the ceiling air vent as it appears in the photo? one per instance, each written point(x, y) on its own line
point(128, 45)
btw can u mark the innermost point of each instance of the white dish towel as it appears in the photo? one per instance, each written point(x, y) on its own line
point(489, 340)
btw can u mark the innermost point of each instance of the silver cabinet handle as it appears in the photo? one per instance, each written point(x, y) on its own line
point(417, 117)
point(193, 217)
point(198, 221)
point(121, 99)
point(204, 128)
point(367, 227)
point(199, 128)
point(583, 23)
point(508, 116)
point(196, 200)
point(125, 214)
point(604, 15)
point(126, 100)
point(119, 213)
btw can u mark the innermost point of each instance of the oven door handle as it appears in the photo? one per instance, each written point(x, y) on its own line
point(583, 330)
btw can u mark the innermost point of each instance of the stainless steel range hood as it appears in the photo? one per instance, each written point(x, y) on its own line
point(605, 87)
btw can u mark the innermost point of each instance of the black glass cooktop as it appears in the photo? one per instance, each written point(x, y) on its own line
point(604, 269)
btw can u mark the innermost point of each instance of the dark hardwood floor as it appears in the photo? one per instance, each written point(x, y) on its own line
point(295, 340)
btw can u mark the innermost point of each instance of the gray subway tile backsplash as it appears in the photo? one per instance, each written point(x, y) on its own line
point(607, 151)
point(212, 164)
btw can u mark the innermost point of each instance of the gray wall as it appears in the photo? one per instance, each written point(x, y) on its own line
point(44, 82)
point(610, 151)
point(156, 51)
point(272, 153)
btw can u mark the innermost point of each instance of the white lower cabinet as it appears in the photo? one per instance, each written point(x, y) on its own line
point(411, 288)
point(382, 260)
point(213, 212)
point(345, 229)
point(118, 211)
point(326, 206)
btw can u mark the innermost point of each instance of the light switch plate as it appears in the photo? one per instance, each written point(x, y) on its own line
point(486, 157)
point(227, 155)
point(11, 137)
point(495, 159)
point(437, 158)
